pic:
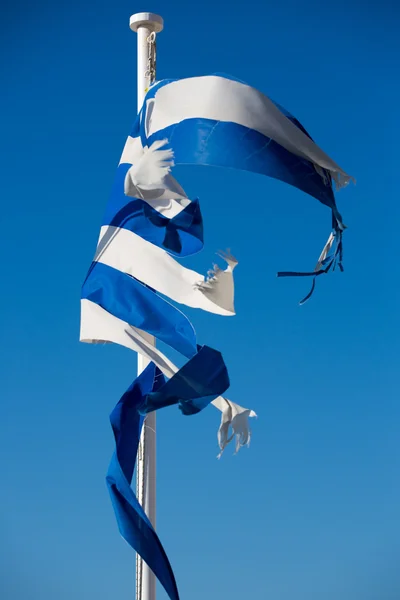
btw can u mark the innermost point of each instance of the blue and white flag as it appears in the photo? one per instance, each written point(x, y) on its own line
point(149, 222)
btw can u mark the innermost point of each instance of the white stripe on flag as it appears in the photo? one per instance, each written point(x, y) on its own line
point(128, 252)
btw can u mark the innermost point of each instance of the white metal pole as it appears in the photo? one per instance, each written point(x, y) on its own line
point(144, 24)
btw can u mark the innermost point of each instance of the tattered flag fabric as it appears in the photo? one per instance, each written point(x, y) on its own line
point(220, 121)
point(148, 224)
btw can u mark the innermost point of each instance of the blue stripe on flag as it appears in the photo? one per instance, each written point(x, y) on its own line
point(225, 144)
point(182, 235)
point(140, 306)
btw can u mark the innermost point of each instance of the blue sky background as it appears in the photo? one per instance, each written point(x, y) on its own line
point(311, 510)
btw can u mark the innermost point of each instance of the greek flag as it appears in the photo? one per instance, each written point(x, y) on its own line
point(149, 223)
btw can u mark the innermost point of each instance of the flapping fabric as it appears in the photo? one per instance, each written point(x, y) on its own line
point(127, 295)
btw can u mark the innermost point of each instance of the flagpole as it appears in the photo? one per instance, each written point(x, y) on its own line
point(146, 24)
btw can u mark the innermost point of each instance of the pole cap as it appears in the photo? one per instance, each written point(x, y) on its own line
point(150, 20)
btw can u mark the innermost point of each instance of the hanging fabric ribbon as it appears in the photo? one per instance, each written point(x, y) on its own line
point(327, 261)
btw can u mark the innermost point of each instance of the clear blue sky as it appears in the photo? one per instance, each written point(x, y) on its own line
point(311, 510)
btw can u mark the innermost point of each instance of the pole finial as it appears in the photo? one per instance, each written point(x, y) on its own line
point(149, 20)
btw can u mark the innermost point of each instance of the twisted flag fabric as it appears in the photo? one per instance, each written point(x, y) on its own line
point(149, 223)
